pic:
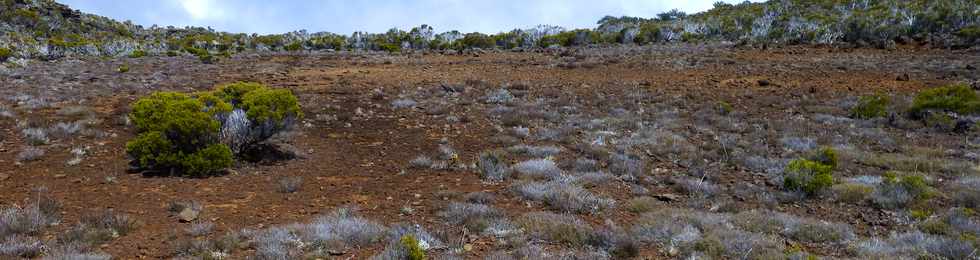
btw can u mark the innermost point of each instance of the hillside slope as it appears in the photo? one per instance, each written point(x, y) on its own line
point(45, 29)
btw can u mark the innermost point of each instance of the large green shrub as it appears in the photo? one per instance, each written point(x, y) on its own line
point(183, 133)
point(955, 98)
point(176, 133)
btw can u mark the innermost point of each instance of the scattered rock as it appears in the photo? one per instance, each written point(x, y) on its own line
point(667, 197)
point(903, 77)
point(764, 83)
point(188, 215)
point(4, 176)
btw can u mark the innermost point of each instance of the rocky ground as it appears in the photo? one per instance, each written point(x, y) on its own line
point(665, 151)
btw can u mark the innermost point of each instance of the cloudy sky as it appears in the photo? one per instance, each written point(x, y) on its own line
point(346, 16)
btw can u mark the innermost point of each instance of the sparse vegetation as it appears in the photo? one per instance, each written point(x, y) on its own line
point(615, 142)
point(290, 184)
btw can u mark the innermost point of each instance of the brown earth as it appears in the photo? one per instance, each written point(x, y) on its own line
point(356, 158)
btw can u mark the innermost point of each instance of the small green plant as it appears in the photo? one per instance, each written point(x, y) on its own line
point(414, 250)
point(853, 193)
point(940, 121)
point(808, 176)
point(137, 54)
point(725, 108)
point(295, 46)
point(914, 184)
point(201, 54)
point(5, 53)
point(870, 107)
point(123, 68)
point(955, 98)
point(824, 155)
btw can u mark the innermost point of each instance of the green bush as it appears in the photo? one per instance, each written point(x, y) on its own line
point(176, 133)
point(808, 176)
point(295, 46)
point(181, 133)
point(123, 68)
point(955, 98)
point(137, 54)
point(824, 155)
point(969, 33)
point(915, 185)
point(5, 53)
point(415, 252)
point(872, 106)
point(264, 105)
point(201, 54)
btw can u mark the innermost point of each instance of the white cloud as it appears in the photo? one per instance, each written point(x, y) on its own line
point(202, 9)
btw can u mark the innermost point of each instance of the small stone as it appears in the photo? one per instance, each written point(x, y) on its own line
point(667, 197)
point(4, 176)
point(764, 82)
point(903, 77)
point(188, 215)
point(468, 247)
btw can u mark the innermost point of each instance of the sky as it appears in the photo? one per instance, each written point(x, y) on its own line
point(347, 16)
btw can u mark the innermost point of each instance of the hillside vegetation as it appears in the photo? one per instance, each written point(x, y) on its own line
point(49, 30)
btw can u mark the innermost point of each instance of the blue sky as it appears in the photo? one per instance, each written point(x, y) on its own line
point(346, 16)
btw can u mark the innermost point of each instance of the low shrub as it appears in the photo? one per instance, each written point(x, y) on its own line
point(810, 177)
point(492, 166)
point(295, 46)
point(415, 252)
point(955, 98)
point(123, 68)
point(824, 155)
point(5, 53)
point(559, 228)
point(870, 107)
point(853, 193)
point(901, 191)
point(199, 134)
point(137, 54)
